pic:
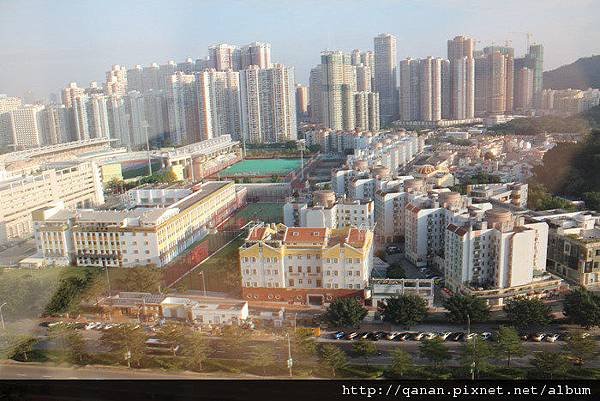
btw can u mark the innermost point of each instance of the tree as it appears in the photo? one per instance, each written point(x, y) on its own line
point(592, 200)
point(581, 348)
point(364, 349)
point(195, 349)
point(126, 341)
point(509, 344)
point(476, 355)
point(435, 351)
point(141, 279)
point(172, 334)
point(170, 177)
point(16, 346)
point(303, 343)
point(395, 271)
point(525, 313)
point(404, 309)
point(461, 306)
point(235, 338)
point(263, 357)
point(69, 340)
point(550, 364)
point(583, 308)
point(345, 312)
point(333, 357)
point(401, 362)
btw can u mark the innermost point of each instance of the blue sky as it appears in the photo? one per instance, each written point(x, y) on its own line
point(46, 44)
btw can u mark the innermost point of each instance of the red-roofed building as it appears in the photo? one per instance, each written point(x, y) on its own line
point(305, 265)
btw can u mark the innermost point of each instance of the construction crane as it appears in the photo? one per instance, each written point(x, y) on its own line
point(528, 37)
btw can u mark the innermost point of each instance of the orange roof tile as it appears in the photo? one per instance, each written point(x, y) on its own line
point(304, 235)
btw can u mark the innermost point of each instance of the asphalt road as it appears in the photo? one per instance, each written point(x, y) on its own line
point(30, 371)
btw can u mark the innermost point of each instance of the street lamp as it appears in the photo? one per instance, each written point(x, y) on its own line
point(2, 316)
point(203, 282)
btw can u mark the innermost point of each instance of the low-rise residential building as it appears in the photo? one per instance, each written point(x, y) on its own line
point(327, 211)
point(574, 248)
point(158, 225)
point(513, 193)
point(306, 265)
point(426, 219)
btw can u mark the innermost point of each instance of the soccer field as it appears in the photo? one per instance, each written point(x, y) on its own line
point(261, 167)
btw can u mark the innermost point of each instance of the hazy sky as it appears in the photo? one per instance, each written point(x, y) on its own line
point(46, 44)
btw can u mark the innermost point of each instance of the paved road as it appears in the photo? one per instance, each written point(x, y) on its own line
point(44, 371)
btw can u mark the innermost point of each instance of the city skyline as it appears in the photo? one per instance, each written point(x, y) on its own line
point(43, 55)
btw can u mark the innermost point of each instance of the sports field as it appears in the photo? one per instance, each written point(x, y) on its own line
point(261, 168)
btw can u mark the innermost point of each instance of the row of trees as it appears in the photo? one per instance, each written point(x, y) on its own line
point(474, 354)
point(580, 307)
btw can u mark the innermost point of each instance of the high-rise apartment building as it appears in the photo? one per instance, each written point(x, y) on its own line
point(25, 126)
point(55, 124)
point(219, 103)
point(315, 94)
point(256, 53)
point(421, 88)
point(182, 104)
point(523, 89)
point(385, 77)
point(116, 80)
point(301, 101)
point(224, 57)
point(367, 111)
point(338, 84)
point(462, 78)
point(535, 59)
point(97, 116)
point(268, 104)
point(494, 81)
point(7, 104)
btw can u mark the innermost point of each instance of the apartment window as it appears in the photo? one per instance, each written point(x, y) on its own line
point(308, 257)
point(318, 269)
point(253, 271)
point(276, 285)
point(327, 285)
point(299, 281)
point(290, 269)
point(245, 259)
point(350, 286)
point(335, 285)
point(275, 272)
point(349, 260)
point(289, 257)
point(335, 272)
point(308, 269)
point(309, 281)
point(247, 271)
point(291, 282)
point(328, 260)
point(275, 259)
point(357, 273)
point(268, 271)
point(335, 260)
point(299, 257)
point(299, 269)
point(247, 284)
point(356, 260)
point(328, 273)
point(253, 259)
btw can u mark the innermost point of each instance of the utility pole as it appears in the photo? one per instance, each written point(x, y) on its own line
point(2, 316)
point(290, 361)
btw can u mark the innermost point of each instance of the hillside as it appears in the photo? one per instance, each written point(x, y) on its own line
point(582, 74)
point(579, 123)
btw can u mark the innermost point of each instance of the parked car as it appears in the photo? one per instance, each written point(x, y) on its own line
point(352, 335)
point(404, 337)
point(551, 338)
point(429, 336)
point(392, 335)
point(524, 336)
point(338, 335)
point(419, 336)
point(444, 336)
point(364, 335)
point(537, 337)
point(470, 336)
point(392, 249)
point(459, 336)
point(486, 335)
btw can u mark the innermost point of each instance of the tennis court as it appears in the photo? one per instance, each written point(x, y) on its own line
point(261, 168)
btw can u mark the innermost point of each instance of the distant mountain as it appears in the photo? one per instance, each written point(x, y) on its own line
point(582, 74)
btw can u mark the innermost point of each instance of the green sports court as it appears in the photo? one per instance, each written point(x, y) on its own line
point(261, 168)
